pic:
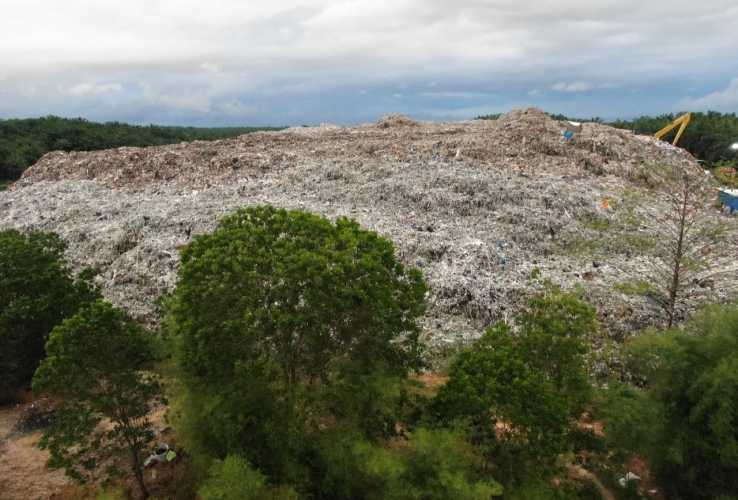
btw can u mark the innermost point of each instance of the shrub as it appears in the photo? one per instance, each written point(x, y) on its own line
point(685, 421)
point(37, 291)
point(556, 329)
point(94, 365)
point(519, 393)
point(432, 464)
point(276, 311)
point(515, 414)
point(234, 479)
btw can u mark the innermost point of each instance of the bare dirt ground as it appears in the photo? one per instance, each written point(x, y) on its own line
point(23, 472)
point(485, 209)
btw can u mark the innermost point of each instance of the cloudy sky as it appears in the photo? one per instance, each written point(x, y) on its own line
point(241, 62)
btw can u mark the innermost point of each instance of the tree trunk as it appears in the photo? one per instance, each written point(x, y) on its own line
point(678, 254)
point(138, 472)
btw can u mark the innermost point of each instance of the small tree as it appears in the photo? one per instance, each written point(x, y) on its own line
point(234, 479)
point(37, 291)
point(686, 419)
point(274, 308)
point(521, 391)
point(95, 364)
point(516, 416)
point(433, 464)
point(686, 264)
point(556, 329)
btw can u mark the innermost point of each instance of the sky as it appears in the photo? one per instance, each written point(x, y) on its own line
point(254, 62)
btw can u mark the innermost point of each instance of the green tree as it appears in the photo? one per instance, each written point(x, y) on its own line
point(96, 365)
point(431, 465)
point(688, 263)
point(273, 310)
point(37, 291)
point(556, 331)
point(515, 416)
point(520, 392)
point(685, 421)
point(234, 479)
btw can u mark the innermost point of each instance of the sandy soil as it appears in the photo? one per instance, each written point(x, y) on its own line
point(23, 473)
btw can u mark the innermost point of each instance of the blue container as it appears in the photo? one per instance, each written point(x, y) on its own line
point(729, 200)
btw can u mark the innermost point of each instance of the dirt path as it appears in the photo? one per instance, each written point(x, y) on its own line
point(23, 473)
point(580, 473)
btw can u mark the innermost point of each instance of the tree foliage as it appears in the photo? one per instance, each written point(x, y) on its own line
point(234, 479)
point(37, 291)
point(95, 364)
point(519, 392)
point(686, 419)
point(277, 315)
point(23, 142)
point(685, 263)
point(432, 464)
point(708, 136)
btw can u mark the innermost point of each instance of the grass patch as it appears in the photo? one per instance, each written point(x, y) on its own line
point(596, 223)
point(633, 287)
point(726, 175)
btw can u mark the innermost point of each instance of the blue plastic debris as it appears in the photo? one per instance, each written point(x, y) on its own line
point(729, 200)
point(568, 134)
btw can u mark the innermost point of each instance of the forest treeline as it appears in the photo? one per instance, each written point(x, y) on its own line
point(708, 137)
point(24, 141)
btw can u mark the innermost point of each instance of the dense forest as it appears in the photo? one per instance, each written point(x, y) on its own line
point(708, 136)
point(23, 142)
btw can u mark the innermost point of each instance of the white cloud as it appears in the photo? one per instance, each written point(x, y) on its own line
point(721, 100)
point(184, 100)
point(572, 87)
point(454, 94)
point(211, 67)
point(93, 89)
point(233, 49)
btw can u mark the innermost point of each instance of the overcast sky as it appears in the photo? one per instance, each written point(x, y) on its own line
point(241, 62)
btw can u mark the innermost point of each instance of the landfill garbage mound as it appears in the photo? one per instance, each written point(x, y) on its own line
point(485, 209)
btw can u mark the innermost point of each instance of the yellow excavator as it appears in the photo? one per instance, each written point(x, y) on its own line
point(680, 122)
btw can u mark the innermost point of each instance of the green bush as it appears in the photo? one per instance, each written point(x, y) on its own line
point(685, 421)
point(556, 331)
point(37, 291)
point(515, 415)
point(96, 367)
point(286, 322)
point(431, 465)
point(519, 393)
point(234, 479)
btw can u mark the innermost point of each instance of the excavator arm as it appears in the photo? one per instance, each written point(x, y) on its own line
point(680, 122)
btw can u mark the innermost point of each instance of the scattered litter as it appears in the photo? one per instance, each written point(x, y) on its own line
point(127, 211)
point(162, 454)
point(628, 478)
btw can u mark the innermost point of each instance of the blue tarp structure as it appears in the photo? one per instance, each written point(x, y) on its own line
point(729, 200)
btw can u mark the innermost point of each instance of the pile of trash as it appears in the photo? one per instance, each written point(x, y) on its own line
point(487, 210)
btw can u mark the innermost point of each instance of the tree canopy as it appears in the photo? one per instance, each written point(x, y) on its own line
point(280, 314)
point(37, 292)
point(95, 365)
point(685, 420)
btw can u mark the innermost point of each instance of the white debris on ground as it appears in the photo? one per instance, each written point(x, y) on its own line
point(478, 206)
